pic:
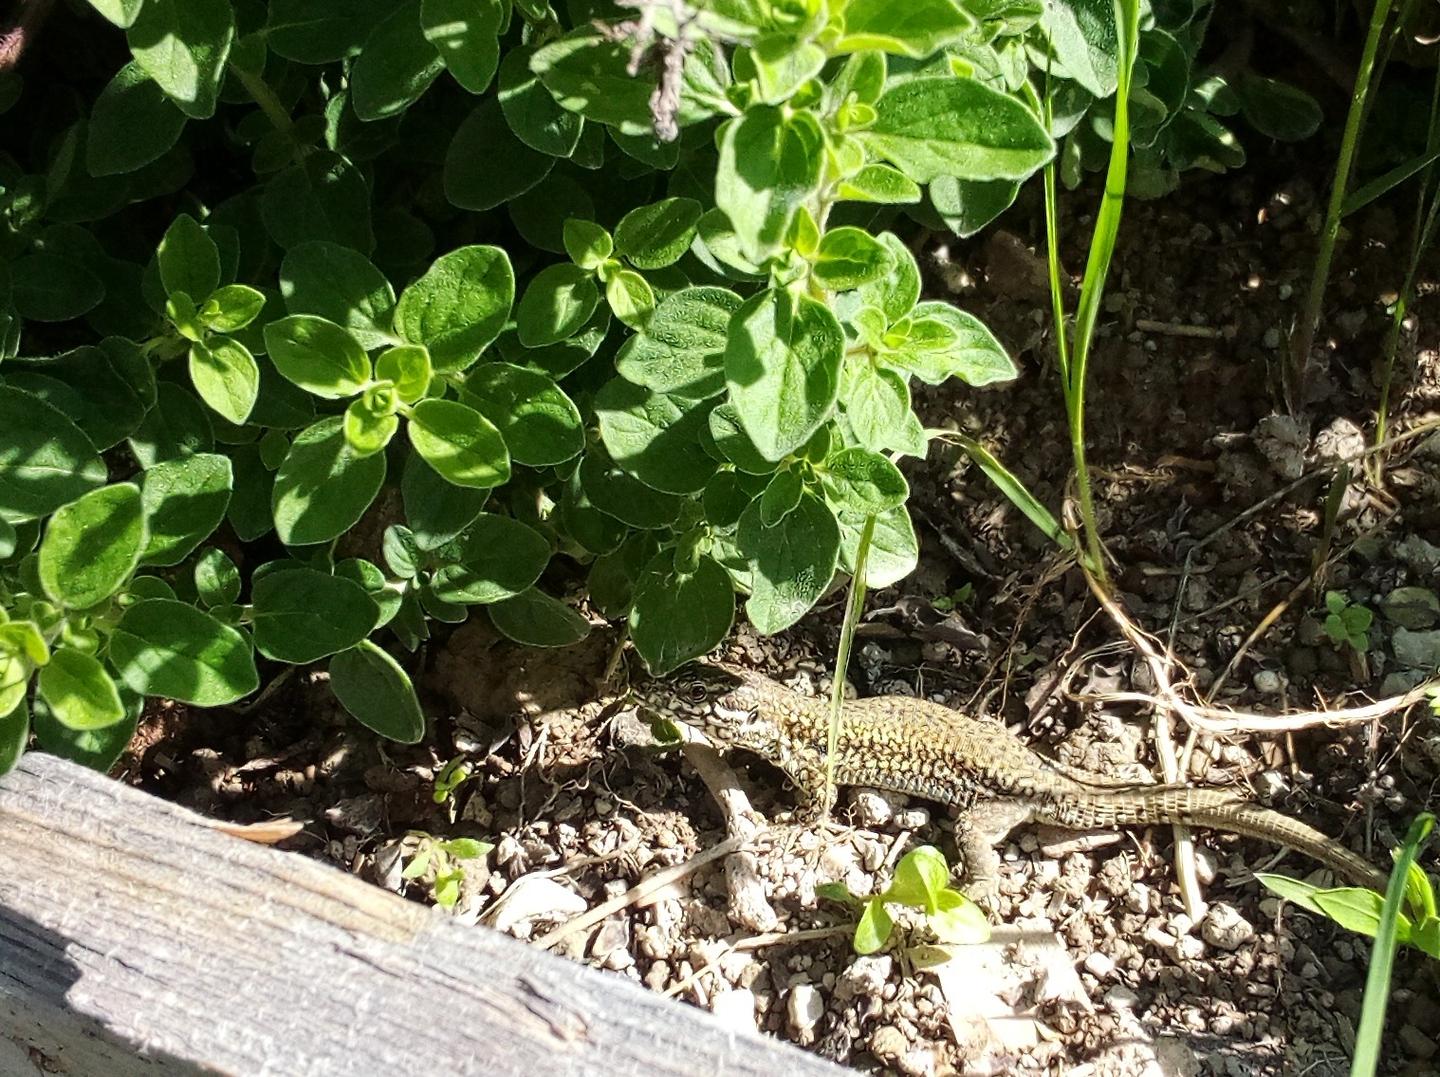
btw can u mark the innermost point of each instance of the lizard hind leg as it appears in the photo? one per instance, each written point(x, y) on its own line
point(978, 830)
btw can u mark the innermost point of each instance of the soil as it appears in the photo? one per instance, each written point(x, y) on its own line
point(1098, 970)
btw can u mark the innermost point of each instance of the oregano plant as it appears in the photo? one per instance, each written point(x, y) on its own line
point(324, 321)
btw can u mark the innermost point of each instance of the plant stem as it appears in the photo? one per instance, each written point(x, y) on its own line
point(853, 605)
point(264, 96)
point(1310, 320)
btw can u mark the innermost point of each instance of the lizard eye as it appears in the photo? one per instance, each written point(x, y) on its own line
point(695, 692)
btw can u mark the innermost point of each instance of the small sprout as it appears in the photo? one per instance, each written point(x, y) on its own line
point(1346, 624)
point(921, 882)
point(452, 776)
point(440, 864)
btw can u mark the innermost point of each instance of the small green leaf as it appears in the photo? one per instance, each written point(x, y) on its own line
point(587, 243)
point(682, 348)
point(121, 12)
point(323, 487)
point(874, 928)
point(486, 164)
point(166, 648)
point(133, 123)
point(780, 497)
point(231, 308)
point(531, 111)
point(880, 184)
point(459, 443)
point(459, 306)
point(370, 421)
point(793, 561)
point(916, 28)
point(677, 616)
point(339, 284)
point(849, 257)
point(537, 620)
point(556, 304)
point(317, 355)
point(932, 127)
point(589, 73)
point(654, 437)
point(226, 376)
point(1277, 109)
point(183, 45)
point(919, 877)
point(78, 691)
point(945, 342)
point(495, 559)
point(217, 580)
point(734, 443)
point(397, 64)
point(185, 499)
point(657, 235)
point(408, 367)
point(300, 615)
point(466, 33)
point(91, 546)
point(864, 482)
point(958, 920)
point(630, 298)
point(894, 549)
point(189, 260)
point(769, 164)
point(541, 426)
point(782, 363)
point(377, 692)
point(1357, 910)
point(435, 509)
point(617, 493)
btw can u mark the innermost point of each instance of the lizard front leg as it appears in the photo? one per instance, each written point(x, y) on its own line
point(981, 826)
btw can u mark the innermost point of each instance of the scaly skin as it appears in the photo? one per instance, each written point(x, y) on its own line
point(913, 746)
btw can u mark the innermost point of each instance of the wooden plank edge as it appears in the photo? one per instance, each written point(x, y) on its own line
point(135, 938)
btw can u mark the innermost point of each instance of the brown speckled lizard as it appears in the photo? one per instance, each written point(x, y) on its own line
point(913, 746)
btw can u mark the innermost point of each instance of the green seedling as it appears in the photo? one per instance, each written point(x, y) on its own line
point(440, 864)
point(1346, 624)
point(452, 776)
point(961, 596)
point(921, 882)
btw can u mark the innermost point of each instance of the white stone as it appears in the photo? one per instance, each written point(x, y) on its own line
point(735, 1009)
point(531, 897)
point(804, 1008)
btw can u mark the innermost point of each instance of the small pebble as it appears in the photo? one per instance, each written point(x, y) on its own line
point(804, 1008)
point(736, 1009)
point(1099, 965)
point(1268, 683)
point(1225, 928)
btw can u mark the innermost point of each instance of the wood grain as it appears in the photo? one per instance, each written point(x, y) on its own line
point(137, 939)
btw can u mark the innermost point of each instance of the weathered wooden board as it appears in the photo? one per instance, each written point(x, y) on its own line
point(136, 939)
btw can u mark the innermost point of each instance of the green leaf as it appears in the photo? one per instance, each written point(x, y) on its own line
point(541, 426)
point(107, 389)
point(370, 421)
point(677, 616)
point(873, 929)
point(92, 545)
point(189, 260)
point(881, 184)
point(377, 693)
point(849, 257)
point(217, 580)
point(617, 493)
point(793, 562)
point(78, 691)
point(323, 488)
point(864, 482)
point(407, 367)
point(317, 355)
point(466, 33)
point(45, 461)
point(588, 245)
point(967, 206)
point(486, 164)
point(894, 549)
point(226, 376)
point(919, 878)
point(734, 444)
point(1357, 910)
point(121, 12)
point(132, 124)
point(396, 66)
point(232, 307)
point(654, 437)
point(534, 116)
point(557, 302)
point(185, 499)
point(769, 164)
point(459, 443)
point(435, 509)
point(324, 198)
point(1086, 42)
point(161, 647)
point(933, 127)
point(681, 350)
point(630, 298)
point(915, 28)
point(48, 287)
point(588, 73)
point(537, 620)
point(183, 45)
point(946, 342)
point(321, 31)
point(958, 920)
point(14, 735)
point(876, 402)
point(782, 363)
point(334, 282)
point(657, 235)
point(459, 306)
point(780, 497)
point(98, 749)
point(300, 615)
point(894, 294)
point(1278, 110)
point(178, 425)
point(495, 559)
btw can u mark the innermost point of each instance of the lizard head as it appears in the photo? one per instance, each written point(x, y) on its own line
point(723, 702)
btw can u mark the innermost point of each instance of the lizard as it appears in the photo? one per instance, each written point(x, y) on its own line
point(917, 747)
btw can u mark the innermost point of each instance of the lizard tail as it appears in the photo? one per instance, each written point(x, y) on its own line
point(1217, 810)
